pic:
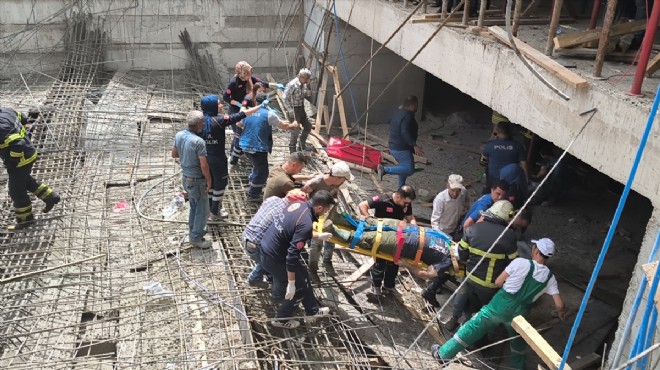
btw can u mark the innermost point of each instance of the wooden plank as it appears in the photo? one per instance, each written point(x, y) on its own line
point(649, 270)
point(435, 334)
point(326, 117)
point(438, 20)
point(320, 102)
point(319, 137)
point(653, 66)
point(579, 38)
point(556, 69)
point(616, 56)
point(340, 103)
point(523, 22)
point(460, 14)
point(542, 348)
point(280, 100)
point(358, 273)
point(585, 361)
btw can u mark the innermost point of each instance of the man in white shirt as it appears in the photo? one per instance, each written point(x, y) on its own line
point(450, 205)
point(522, 282)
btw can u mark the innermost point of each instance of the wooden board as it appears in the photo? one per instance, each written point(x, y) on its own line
point(556, 69)
point(340, 101)
point(653, 66)
point(616, 56)
point(547, 354)
point(579, 38)
point(523, 22)
point(649, 271)
point(359, 272)
point(383, 142)
point(320, 102)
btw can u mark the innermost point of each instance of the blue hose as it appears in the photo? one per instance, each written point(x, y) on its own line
point(610, 232)
point(647, 327)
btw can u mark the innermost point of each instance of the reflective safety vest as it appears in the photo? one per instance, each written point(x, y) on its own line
point(476, 241)
point(15, 147)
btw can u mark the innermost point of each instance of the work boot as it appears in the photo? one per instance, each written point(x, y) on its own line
point(452, 324)
point(258, 284)
point(429, 296)
point(19, 225)
point(288, 324)
point(329, 268)
point(381, 172)
point(201, 243)
point(323, 311)
point(51, 201)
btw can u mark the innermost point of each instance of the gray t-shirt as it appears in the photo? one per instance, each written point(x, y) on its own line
point(190, 147)
point(316, 183)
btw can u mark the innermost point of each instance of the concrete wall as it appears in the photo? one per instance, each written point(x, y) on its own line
point(144, 34)
point(490, 73)
point(647, 246)
point(357, 49)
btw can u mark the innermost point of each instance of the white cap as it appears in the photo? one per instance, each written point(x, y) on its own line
point(341, 169)
point(455, 182)
point(545, 246)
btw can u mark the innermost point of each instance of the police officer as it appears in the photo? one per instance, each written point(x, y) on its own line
point(281, 248)
point(397, 206)
point(19, 155)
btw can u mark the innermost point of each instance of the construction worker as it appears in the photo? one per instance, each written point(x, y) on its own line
point(294, 96)
point(474, 245)
point(18, 156)
point(397, 206)
point(522, 282)
point(281, 248)
point(213, 134)
point(280, 180)
point(339, 173)
point(257, 141)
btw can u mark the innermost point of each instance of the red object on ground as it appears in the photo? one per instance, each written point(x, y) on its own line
point(354, 153)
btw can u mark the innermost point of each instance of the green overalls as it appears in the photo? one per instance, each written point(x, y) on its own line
point(501, 310)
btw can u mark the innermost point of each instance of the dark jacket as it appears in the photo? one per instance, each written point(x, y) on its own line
point(476, 241)
point(403, 130)
point(213, 132)
point(15, 146)
point(286, 237)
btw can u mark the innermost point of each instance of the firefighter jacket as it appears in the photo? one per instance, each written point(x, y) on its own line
point(15, 146)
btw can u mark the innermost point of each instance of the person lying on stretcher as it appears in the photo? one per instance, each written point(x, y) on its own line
point(407, 245)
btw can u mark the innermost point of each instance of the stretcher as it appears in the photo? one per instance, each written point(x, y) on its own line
point(387, 239)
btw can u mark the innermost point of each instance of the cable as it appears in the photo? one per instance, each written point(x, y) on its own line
point(610, 232)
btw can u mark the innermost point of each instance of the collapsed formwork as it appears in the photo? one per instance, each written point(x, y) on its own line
point(107, 281)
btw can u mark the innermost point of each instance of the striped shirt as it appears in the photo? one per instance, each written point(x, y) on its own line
point(265, 215)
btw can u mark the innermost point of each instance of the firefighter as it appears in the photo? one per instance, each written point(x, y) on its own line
point(18, 156)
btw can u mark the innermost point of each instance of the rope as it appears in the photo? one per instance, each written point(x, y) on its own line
point(610, 232)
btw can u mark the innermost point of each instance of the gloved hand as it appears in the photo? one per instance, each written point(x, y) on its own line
point(280, 86)
point(290, 290)
point(264, 104)
point(324, 236)
point(239, 105)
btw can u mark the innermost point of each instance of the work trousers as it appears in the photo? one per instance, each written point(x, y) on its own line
point(20, 182)
point(259, 174)
point(254, 252)
point(471, 298)
point(235, 150)
point(488, 318)
point(199, 206)
point(304, 293)
point(220, 175)
point(384, 273)
point(280, 280)
point(301, 117)
point(405, 168)
point(318, 248)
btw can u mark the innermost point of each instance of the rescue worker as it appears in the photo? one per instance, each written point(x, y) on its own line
point(481, 287)
point(18, 155)
point(399, 207)
point(281, 248)
point(497, 192)
point(499, 152)
point(213, 134)
point(257, 141)
point(280, 180)
point(521, 283)
point(238, 87)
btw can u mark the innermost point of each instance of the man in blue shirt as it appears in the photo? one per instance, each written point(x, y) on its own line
point(191, 151)
point(403, 141)
point(501, 152)
point(257, 141)
point(497, 192)
point(281, 248)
